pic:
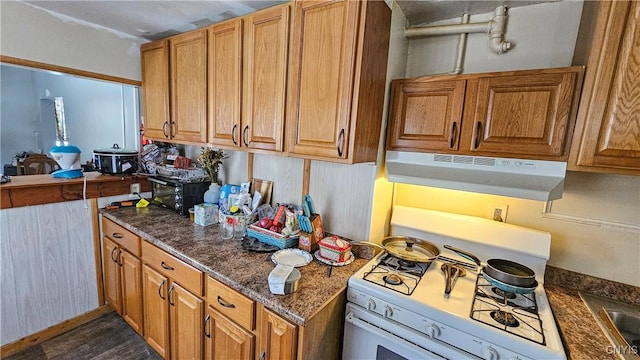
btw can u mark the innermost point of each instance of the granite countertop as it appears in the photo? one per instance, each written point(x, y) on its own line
point(227, 262)
point(581, 334)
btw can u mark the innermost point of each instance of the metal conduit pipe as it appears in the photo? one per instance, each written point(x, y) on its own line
point(495, 28)
point(462, 42)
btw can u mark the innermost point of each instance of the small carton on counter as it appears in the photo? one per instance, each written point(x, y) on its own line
point(206, 214)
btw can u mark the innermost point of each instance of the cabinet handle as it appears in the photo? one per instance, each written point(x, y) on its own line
point(117, 235)
point(340, 142)
point(454, 133)
point(166, 267)
point(244, 135)
point(233, 134)
point(114, 257)
point(119, 262)
point(204, 329)
point(225, 304)
point(160, 289)
point(169, 295)
point(476, 143)
point(263, 355)
point(171, 132)
point(164, 129)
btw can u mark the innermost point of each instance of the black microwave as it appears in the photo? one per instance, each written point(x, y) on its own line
point(176, 195)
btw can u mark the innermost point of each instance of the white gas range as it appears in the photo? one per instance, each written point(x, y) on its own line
point(411, 318)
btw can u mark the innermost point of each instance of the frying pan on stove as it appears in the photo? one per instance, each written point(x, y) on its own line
point(406, 248)
point(511, 288)
point(503, 271)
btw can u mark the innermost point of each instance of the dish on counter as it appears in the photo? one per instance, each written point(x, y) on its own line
point(252, 244)
point(293, 257)
point(324, 260)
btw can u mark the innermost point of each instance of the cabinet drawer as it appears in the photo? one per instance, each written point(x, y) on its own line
point(232, 304)
point(121, 236)
point(179, 271)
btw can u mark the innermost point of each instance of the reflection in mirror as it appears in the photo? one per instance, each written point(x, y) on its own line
point(98, 113)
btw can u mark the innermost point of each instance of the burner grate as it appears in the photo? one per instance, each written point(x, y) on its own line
point(378, 274)
point(522, 309)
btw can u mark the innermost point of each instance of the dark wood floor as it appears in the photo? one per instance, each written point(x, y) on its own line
point(107, 337)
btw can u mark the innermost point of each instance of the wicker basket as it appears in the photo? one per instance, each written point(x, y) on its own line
point(272, 238)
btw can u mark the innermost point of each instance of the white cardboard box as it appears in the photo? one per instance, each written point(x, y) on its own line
point(206, 214)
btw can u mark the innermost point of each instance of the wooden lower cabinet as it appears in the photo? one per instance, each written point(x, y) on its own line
point(174, 329)
point(122, 283)
point(156, 311)
point(278, 337)
point(224, 339)
point(185, 319)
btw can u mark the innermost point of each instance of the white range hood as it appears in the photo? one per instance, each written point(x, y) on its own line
point(527, 179)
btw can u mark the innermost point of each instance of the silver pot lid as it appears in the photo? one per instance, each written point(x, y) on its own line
point(115, 150)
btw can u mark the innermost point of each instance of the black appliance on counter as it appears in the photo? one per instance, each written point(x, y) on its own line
point(176, 195)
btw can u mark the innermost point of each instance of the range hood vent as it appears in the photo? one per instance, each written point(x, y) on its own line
point(527, 179)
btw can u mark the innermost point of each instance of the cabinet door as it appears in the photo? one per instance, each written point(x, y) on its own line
point(322, 70)
point(523, 115)
point(186, 314)
point(225, 71)
point(266, 40)
point(226, 340)
point(188, 59)
point(156, 312)
point(110, 257)
point(608, 130)
point(131, 276)
point(426, 115)
point(155, 89)
point(278, 338)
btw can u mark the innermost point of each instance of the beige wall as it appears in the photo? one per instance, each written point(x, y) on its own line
point(32, 34)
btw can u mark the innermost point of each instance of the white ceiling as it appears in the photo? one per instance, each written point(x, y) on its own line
point(152, 20)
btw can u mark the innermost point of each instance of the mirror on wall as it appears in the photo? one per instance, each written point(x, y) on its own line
point(98, 113)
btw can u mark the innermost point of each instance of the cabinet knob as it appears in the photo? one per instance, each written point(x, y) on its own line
point(204, 327)
point(164, 129)
point(340, 142)
point(476, 143)
point(166, 267)
point(225, 304)
point(454, 135)
point(233, 134)
point(244, 135)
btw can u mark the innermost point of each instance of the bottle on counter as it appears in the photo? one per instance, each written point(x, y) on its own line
point(212, 196)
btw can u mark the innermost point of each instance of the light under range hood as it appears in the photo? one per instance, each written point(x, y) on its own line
point(527, 179)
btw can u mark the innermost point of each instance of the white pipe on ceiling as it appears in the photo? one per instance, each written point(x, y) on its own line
point(494, 28)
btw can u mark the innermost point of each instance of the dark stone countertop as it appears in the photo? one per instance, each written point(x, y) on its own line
point(227, 262)
point(582, 336)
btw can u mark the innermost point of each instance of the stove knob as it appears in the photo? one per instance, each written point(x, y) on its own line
point(371, 305)
point(489, 353)
point(433, 331)
point(388, 311)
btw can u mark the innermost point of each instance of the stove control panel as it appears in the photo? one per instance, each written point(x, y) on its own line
point(431, 328)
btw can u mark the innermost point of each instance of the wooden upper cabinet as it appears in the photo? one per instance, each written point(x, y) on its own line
point(426, 115)
point(224, 83)
point(337, 79)
point(266, 49)
point(188, 54)
point(155, 89)
point(607, 137)
point(523, 114)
